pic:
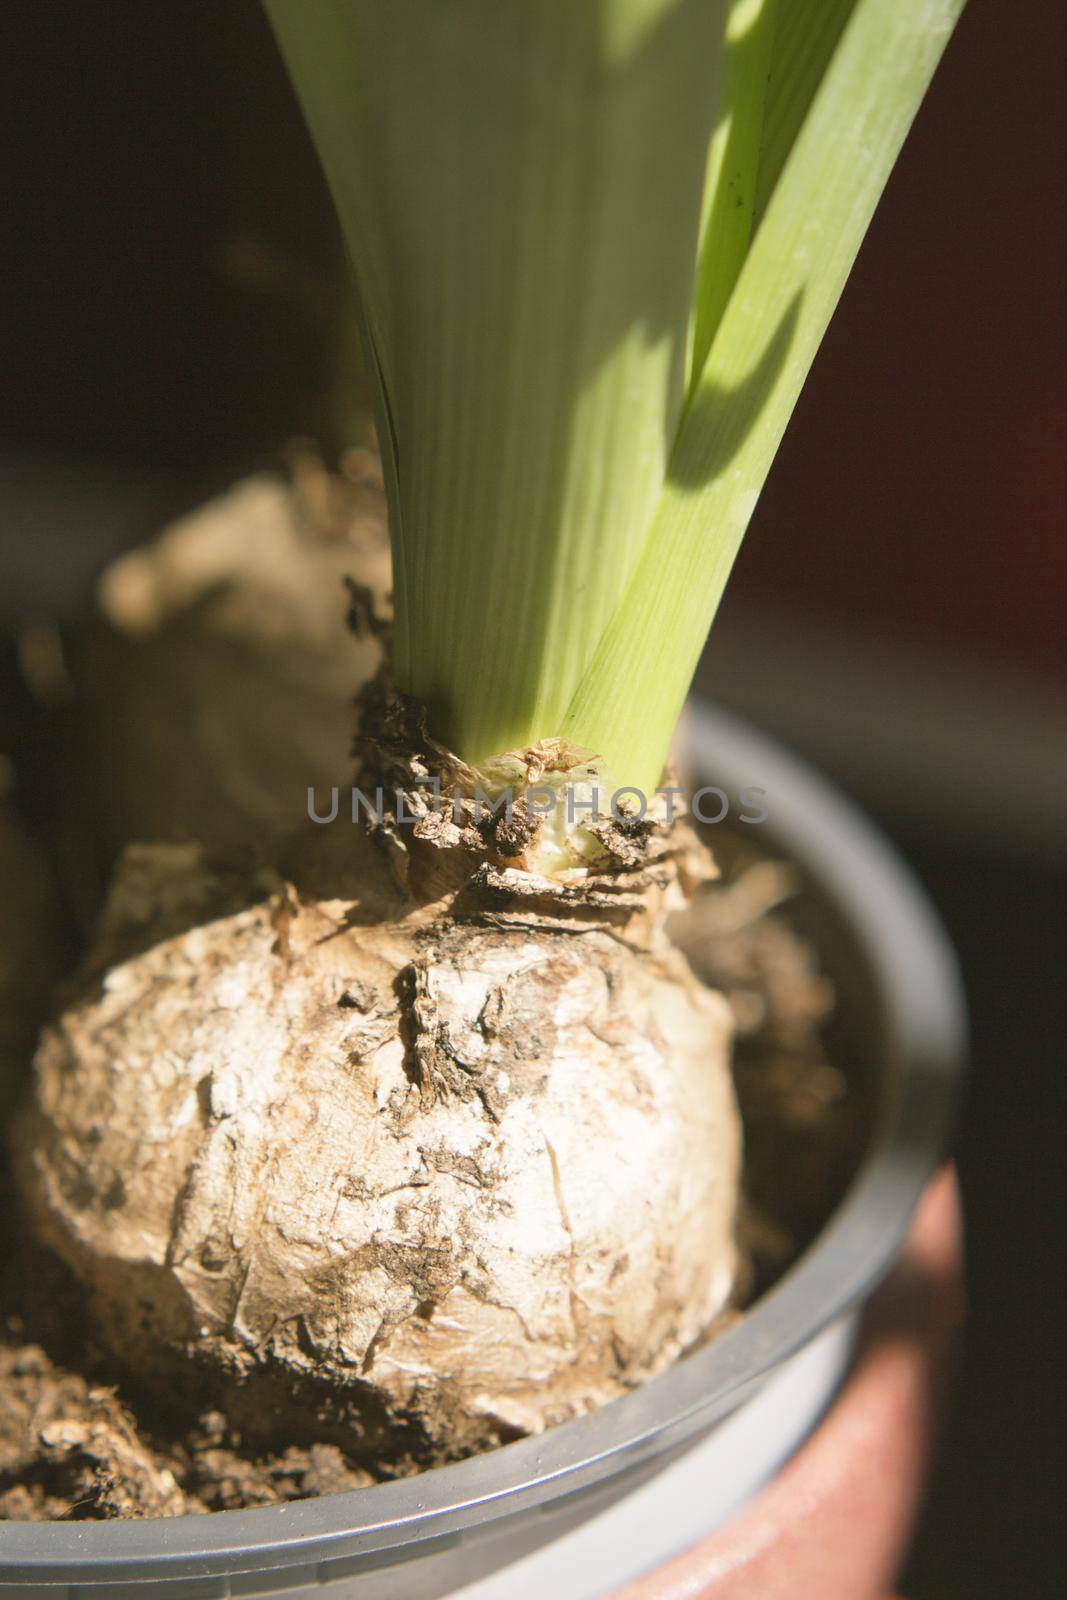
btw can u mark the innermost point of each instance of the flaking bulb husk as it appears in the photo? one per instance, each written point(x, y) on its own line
point(414, 1177)
point(479, 836)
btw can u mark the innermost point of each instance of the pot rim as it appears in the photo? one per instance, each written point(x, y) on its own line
point(912, 975)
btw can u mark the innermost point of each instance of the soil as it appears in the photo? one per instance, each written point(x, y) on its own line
point(77, 1441)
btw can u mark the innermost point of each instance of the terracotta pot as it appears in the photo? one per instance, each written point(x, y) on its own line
point(834, 1524)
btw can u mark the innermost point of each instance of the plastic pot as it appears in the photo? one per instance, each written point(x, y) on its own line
point(592, 1504)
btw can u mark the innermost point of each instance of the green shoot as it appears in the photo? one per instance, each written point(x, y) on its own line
point(812, 224)
point(734, 165)
point(596, 246)
point(519, 185)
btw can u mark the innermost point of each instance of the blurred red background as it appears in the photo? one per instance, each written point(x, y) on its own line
point(923, 481)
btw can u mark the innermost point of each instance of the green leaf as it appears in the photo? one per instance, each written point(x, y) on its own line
point(733, 167)
point(806, 36)
point(520, 186)
point(815, 217)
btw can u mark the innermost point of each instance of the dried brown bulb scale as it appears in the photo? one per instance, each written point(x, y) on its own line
point(414, 1160)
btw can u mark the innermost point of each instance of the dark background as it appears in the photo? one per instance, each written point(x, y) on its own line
point(169, 320)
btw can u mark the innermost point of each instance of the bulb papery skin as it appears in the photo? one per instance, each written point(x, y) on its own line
point(549, 812)
point(410, 1181)
point(218, 679)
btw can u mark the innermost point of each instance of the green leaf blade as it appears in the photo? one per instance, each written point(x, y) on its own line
point(806, 35)
point(520, 189)
point(734, 160)
point(807, 240)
